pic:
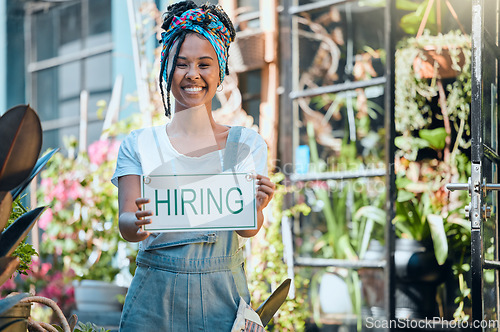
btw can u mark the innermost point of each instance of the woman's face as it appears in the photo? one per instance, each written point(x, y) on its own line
point(196, 73)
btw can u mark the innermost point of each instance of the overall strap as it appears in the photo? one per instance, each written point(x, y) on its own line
point(158, 144)
point(231, 151)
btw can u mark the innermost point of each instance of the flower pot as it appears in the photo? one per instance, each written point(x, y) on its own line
point(417, 276)
point(16, 318)
point(431, 56)
point(98, 296)
point(339, 304)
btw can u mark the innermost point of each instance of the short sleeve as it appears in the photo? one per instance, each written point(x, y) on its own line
point(256, 160)
point(260, 157)
point(128, 161)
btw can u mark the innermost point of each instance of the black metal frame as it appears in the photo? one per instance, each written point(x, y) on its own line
point(286, 137)
point(485, 55)
point(476, 157)
point(485, 51)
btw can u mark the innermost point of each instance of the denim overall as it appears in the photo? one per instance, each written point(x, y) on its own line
point(188, 281)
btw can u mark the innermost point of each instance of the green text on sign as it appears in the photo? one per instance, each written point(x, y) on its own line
point(223, 201)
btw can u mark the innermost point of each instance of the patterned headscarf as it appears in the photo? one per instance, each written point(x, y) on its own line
point(207, 25)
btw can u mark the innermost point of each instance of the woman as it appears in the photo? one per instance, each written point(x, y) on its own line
point(188, 281)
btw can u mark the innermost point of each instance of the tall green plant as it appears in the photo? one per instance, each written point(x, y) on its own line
point(346, 237)
point(268, 269)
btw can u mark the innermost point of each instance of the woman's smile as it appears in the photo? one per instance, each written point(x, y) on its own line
point(193, 89)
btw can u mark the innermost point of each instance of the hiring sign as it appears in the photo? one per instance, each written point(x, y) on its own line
point(223, 201)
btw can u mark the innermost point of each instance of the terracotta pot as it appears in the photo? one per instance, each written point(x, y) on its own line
point(425, 68)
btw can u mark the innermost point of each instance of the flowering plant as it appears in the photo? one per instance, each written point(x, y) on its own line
point(81, 232)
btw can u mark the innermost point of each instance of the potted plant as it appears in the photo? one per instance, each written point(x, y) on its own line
point(21, 142)
point(80, 227)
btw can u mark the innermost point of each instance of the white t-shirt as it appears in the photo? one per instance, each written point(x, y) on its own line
point(148, 151)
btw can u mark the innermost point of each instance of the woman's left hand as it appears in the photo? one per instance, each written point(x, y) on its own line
point(265, 191)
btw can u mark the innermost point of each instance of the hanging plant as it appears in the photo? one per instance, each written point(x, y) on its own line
point(417, 84)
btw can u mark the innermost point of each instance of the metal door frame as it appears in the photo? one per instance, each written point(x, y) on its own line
point(484, 44)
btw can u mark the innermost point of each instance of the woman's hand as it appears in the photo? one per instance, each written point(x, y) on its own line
point(265, 191)
point(132, 217)
point(131, 223)
point(141, 218)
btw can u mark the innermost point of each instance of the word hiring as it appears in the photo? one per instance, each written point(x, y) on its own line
point(200, 201)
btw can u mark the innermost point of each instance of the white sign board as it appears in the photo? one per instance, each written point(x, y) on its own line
point(223, 201)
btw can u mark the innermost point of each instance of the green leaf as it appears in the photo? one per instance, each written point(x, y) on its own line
point(372, 213)
point(410, 143)
point(404, 196)
point(402, 226)
point(411, 22)
point(435, 137)
point(347, 250)
point(402, 182)
point(58, 328)
point(439, 239)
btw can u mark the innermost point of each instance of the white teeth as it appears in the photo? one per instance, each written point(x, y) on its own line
point(193, 89)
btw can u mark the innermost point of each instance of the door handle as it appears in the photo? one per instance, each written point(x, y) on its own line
point(468, 186)
point(460, 186)
point(489, 186)
point(486, 210)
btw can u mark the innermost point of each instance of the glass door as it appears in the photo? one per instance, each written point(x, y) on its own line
point(483, 184)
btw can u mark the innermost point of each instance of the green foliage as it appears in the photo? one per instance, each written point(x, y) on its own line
point(81, 327)
point(435, 137)
point(269, 270)
point(24, 250)
point(89, 327)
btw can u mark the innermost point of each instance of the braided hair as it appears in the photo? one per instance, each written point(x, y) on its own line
point(177, 9)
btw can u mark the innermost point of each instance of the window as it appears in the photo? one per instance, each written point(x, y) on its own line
point(71, 47)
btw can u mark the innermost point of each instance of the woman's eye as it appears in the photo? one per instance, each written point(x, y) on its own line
point(204, 65)
point(181, 65)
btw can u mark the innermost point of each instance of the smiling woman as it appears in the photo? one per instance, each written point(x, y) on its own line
point(190, 280)
point(196, 75)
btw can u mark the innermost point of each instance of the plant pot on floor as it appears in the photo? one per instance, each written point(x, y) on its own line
point(98, 296)
point(16, 318)
point(417, 277)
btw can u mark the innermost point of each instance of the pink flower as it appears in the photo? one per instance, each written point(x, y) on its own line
point(60, 192)
point(46, 183)
point(45, 219)
point(74, 190)
point(103, 150)
point(97, 152)
point(45, 268)
point(52, 291)
point(48, 187)
point(9, 285)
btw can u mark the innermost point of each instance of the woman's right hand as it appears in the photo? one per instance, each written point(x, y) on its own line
point(142, 218)
point(132, 217)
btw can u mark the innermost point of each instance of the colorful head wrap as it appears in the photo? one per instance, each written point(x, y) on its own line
point(207, 25)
